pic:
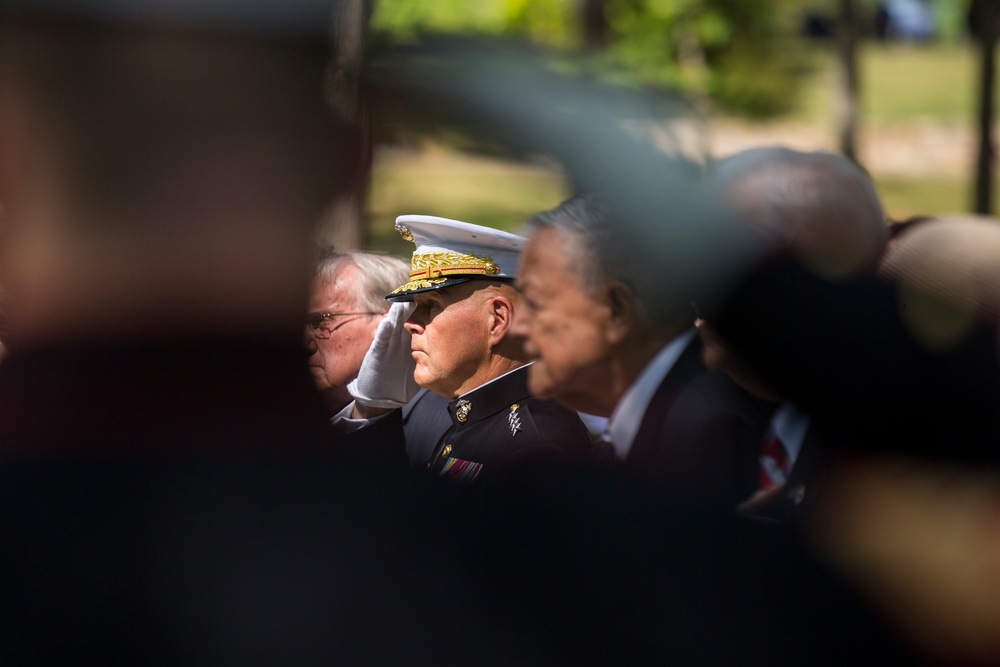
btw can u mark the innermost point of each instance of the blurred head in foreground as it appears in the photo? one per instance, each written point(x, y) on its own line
point(159, 178)
point(948, 278)
point(818, 206)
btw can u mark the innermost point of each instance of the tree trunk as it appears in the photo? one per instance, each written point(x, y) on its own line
point(847, 58)
point(985, 15)
point(595, 24)
point(343, 224)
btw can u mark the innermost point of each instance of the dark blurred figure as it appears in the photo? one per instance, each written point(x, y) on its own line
point(3, 323)
point(978, 19)
point(921, 537)
point(601, 351)
point(824, 210)
point(817, 25)
point(161, 170)
point(882, 22)
point(902, 377)
point(875, 384)
point(160, 183)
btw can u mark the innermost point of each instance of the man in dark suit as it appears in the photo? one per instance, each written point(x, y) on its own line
point(448, 332)
point(601, 351)
point(823, 209)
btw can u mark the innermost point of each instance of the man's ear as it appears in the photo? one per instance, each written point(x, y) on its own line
point(622, 308)
point(501, 312)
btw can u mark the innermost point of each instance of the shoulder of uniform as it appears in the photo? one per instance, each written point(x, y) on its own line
point(535, 421)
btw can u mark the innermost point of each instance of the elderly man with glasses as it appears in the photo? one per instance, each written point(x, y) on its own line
point(346, 305)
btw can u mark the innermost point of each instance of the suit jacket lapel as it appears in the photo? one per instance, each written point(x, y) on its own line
point(647, 438)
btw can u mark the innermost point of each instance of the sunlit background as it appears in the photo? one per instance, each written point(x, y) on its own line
point(756, 71)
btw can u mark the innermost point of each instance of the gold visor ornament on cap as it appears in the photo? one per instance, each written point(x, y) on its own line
point(404, 232)
point(449, 252)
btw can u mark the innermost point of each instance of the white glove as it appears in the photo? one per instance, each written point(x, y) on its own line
point(386, 376)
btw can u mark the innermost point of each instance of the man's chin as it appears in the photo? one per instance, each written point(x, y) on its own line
point(335, 398)
point(424, 382)
point(539, 383)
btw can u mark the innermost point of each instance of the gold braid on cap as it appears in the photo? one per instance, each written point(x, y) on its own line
point(430, 269)
point(438, 264)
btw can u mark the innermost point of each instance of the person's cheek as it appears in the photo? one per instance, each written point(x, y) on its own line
point(539, 380)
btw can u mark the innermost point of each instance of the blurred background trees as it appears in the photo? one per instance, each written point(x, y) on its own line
point(744, 55)
point(897, 85)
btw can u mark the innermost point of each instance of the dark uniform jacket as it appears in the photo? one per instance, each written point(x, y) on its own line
point(424, 426)
point(501, 424)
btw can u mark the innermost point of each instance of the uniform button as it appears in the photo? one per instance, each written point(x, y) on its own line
point(446, 451)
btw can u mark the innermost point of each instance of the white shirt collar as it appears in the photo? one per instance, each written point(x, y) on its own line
point(789, 424)
point(627, 416)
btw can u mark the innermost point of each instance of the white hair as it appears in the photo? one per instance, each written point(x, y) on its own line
point(380, 274)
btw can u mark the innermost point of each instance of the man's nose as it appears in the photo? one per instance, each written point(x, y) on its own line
point(310, 342)
point(412, 326)
point(520, 327)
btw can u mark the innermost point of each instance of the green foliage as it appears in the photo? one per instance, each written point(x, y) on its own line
point(949, 15)
point(544, 21)
point(757, 69)
point(743, 54)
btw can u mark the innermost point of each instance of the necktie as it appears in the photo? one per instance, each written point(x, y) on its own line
point(773, 469)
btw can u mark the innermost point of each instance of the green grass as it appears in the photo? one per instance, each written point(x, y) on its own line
point(442, 182)
point(901, 83)
point(906, 197)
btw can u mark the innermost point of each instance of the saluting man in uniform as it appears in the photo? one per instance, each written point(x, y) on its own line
point(449, 332)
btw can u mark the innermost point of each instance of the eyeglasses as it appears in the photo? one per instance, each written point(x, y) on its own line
point(322, 324)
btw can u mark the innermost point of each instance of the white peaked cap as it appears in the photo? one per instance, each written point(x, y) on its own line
point(449, 252)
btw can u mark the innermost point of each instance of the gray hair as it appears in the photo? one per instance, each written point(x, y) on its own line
point(819, 203)
point(585, 224)
point(380, 274)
